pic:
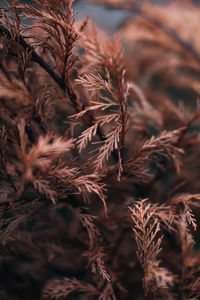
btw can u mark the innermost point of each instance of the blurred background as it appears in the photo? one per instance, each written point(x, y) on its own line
point(109, 19)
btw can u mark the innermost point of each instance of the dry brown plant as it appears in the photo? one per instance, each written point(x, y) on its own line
point(99, 138)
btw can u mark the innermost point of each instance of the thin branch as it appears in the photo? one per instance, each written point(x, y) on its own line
point(62, 84)
point(36, 58)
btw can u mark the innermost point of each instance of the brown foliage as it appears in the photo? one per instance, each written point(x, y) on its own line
point(97, 139)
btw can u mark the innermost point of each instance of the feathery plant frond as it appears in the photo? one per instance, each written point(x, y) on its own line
point(189, 285)
point(111, 101)
point(39, 156)
point(148, 241)
point(155, 149)
point(59, 288)
point(89, 122)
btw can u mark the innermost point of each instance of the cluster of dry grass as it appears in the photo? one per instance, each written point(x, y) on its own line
point(99, 153)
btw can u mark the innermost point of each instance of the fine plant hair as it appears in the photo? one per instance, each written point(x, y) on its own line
point(99, 153)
